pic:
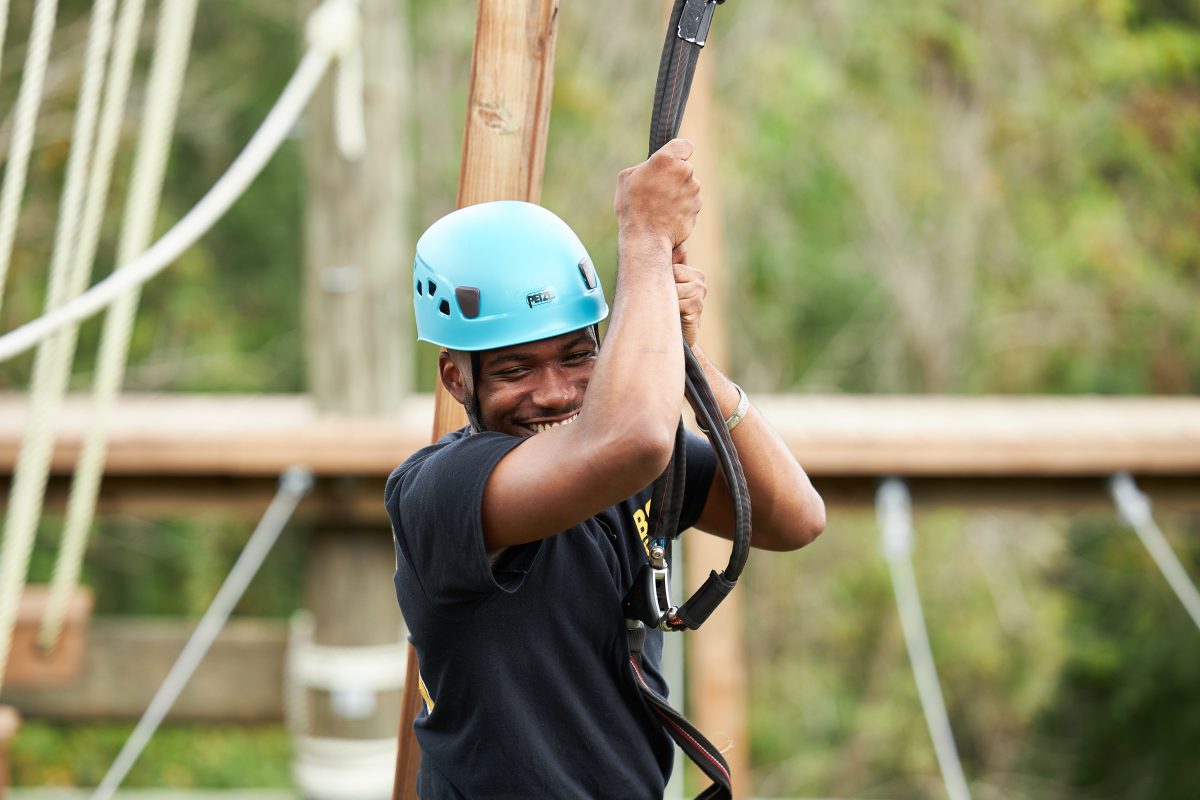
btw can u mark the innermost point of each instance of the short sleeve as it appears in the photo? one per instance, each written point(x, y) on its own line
point(701, 466)
point(434, 501)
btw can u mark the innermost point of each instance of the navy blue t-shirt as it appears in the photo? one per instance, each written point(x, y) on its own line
point(524, 664)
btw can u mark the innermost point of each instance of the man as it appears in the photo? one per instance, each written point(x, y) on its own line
point(518, 537)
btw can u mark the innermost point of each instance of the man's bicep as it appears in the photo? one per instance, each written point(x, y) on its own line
point(535, 491)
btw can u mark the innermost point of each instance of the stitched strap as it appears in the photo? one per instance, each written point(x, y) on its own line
point(690, 740)
point(686, 33)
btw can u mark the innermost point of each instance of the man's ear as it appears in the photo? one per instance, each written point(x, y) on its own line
point(452, 377)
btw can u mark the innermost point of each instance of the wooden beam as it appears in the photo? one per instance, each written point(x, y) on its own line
point(29, 664)
point(989, 436)
point(504, 154)
point(126, 658)
point(247, 437)
point(243, 435)
point(10, 721)
point(508, 104)
point(359, 347)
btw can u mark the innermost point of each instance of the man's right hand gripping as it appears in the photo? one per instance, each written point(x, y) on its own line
point(624, 434)
point(660, 197)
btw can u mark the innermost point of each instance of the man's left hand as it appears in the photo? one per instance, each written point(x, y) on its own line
point(689, 284)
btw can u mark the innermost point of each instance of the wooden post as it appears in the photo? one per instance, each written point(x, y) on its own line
point(10, 720)
point(358, 311)
point(359, 349)
point(504, 155)
point(716, 652)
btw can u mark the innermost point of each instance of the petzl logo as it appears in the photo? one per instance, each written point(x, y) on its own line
point(537, 298)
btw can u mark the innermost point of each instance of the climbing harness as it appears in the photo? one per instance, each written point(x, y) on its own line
point(648, 602)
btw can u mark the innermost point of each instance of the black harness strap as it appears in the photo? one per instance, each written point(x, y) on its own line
point(690, 740)
point(648, 602)
point(687, 32)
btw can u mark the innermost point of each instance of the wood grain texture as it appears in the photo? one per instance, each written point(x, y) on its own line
point(504, 154)
point(358, 256)
point(194, 436)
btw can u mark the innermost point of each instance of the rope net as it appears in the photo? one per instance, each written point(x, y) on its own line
point(333, 35)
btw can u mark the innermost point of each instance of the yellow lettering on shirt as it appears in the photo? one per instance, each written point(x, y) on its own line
point(641, 519)
point(424, 694)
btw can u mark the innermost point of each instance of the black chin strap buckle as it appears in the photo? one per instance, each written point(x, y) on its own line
point(695, 20)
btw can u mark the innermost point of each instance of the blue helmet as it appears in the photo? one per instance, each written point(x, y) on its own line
point(502, 273)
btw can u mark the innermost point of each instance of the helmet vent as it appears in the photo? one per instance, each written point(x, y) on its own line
point(420, 288)
point(444, 307)
point(588, 272)
point(468, 301)
point(432, 288)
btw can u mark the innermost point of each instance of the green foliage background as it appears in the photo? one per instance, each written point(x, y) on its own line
point(945, 196)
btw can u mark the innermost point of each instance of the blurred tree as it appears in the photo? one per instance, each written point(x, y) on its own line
point(1121, 713)
point(954, 195)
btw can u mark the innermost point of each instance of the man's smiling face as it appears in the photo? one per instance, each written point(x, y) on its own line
point(527, 388)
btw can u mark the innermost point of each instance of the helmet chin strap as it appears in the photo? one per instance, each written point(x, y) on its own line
point(474, 415)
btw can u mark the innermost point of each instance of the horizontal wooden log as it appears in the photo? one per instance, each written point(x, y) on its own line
point(990, 436)
point(245, 435)
point(843, 436)
point(127, 658)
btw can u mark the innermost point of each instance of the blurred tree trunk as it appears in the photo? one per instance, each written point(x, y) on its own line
point(358, 333)
point(503, 158)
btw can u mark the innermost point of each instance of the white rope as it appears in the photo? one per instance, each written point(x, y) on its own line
point(353, 676)
point(1134, 506)
point(29, 99)
point(3, 28)
point(350, 124)
point(894, 511)
point(293, 485)
point(327, 40)
point(372, 668)
point(175, 24)
point(325, 768)
point(53, 358)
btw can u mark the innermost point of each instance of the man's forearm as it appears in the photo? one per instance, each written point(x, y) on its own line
point(787, 511)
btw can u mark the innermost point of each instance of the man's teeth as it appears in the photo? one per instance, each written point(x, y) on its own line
point(539, 427)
